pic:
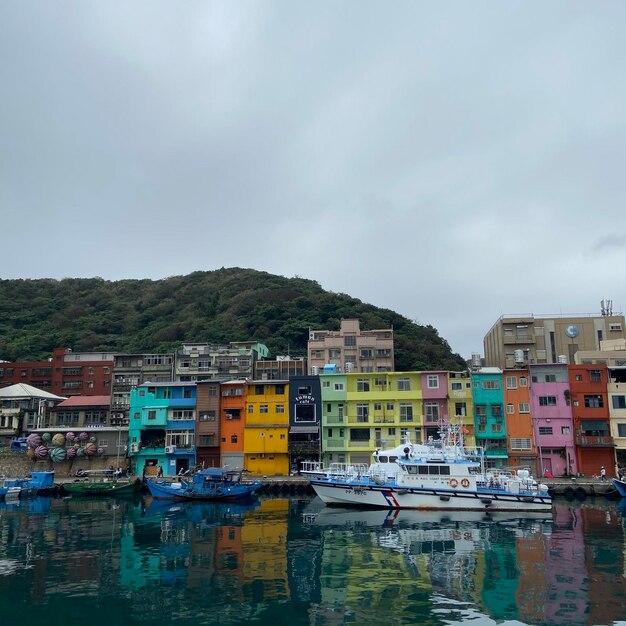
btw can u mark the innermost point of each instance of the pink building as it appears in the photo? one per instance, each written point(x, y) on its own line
point(434, 401)
point(552, 419)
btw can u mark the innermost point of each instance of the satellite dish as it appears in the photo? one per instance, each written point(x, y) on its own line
point(572, 331)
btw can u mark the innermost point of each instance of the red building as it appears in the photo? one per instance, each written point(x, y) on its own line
point(66, 374)
point(590, 411)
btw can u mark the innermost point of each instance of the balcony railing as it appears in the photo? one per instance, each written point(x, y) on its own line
point(589, 441)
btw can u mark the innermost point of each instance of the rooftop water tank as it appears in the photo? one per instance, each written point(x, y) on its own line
point(562, 359)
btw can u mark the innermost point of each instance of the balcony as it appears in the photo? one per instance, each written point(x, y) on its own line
point(334, 444)
point(364, 445)
point(495, 453)
point(302, 447)
point(335, 419)
point(591, 441)
point(384, 420)
point(511, 340)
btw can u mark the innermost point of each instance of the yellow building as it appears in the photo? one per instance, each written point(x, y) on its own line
point(381, 409)
point(265, 441)
point(461, 405)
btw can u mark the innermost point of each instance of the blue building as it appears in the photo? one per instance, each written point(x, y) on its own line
point(162, 428)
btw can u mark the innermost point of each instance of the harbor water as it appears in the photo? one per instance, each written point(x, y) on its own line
point(293, 561)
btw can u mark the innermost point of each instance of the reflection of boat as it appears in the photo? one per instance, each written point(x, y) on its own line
point(386, 518)
point(102, 483)
point(207, 484)
point(202, 514)
point(620, 485)
point(438, 475)
point(40, 504)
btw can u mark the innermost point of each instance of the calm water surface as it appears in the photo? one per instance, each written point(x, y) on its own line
point(294, 561)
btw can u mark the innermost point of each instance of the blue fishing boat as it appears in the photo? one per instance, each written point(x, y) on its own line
point(26, 487)
point(620, 485)
point(208, 484)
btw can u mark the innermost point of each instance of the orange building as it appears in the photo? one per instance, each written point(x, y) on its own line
point(519, 427)
point(232, 422)
point(590, 412)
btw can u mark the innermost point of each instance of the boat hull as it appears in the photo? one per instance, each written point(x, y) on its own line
point(104, 488)
point(394, 497)
point(620, 485)
point(183, 491)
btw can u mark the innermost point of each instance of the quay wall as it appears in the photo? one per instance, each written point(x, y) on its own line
point(15, 464)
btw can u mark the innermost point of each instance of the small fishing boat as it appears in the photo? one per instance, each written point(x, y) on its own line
point(208, 484)
point(26, 487)
point(620, 485)
point(440, 474)
point(102, 483)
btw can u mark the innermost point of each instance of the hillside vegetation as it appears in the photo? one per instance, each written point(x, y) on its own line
point(92, 314)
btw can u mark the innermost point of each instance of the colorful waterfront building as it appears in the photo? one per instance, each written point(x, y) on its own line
point(334, 402)
point(434, 411)
point(519, 425)
point(551, 412)
point(461, 404)
point(232, 422)
point(208, 423)
point(162, 428)
point(489, 415)
point(305, 415)
point(267, 427)
point(594, 445)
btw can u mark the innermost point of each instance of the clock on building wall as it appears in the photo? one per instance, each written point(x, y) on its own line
point(571, 331)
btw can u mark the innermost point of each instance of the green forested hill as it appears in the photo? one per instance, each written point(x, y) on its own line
point(92, 314)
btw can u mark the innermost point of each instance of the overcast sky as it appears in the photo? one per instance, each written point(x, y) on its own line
point(452, 161)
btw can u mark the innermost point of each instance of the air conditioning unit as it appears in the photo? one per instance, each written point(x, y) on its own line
point(170, 449)
point(134, 447)
point(229, 416)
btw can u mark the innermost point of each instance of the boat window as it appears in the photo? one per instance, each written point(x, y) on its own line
point(393, 459)
point(445, 470)
point(433, 469)
point(382, 459)
point(422, 469)
point(412, 469)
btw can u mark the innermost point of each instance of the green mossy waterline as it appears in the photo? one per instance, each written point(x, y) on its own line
point(230, 304)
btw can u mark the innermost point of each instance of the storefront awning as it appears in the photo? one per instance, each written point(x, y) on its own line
point(304, 429)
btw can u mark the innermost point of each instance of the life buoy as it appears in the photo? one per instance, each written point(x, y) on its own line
point(454, 483)
point(465, 483)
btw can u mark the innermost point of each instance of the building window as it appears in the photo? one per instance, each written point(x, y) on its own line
point(481, 410)
point(334, 353)
point(621, 430)
point(406, 412)
point(283, 436)
point(595, 376)
point(460, 409)
point(496, 410)
point(594, 401)
point(619, 402)
point(510, 408)
point(524, 407)
point(362, 384)
point(565, 430)
point(187, 393)
point(326, 383)
point(433, 381)
point(456, 386)
point(250, 409)
point(550, 378)
point(523, 381)
point(280, 408)
point(152, 415)
point(263, 408)
point(511, 382)
point(207, 416)
point(496, 428)
point(362, 412)
point(233, 439)
point(579, 377)
point(491, 384)
point(366, 353)
point(338, 386)
point(390, 407)
point(404, 384)
point(547, 400)
point(520, 444)
point(179, 414)
point(304, 413)
point(545, 430)
point(280, 390)
point(349, 340)
point(431, 409)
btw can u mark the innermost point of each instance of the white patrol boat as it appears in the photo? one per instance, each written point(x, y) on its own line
point(439, 474)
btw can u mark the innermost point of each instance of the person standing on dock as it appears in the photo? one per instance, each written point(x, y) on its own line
point(602, 473)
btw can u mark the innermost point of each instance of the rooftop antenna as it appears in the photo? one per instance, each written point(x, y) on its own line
point(606, 307)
